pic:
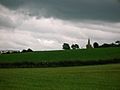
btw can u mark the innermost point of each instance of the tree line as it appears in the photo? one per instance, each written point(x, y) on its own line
point(13, 51)
point(66, 46)
point(105, 45)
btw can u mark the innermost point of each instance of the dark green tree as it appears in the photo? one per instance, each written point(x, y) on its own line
point(29, 50)
point(95, 45)
point(75, 46)
point(66, 46)
point(118, 42)
point(24, 50)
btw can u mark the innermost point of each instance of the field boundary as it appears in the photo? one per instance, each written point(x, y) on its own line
point(43, 64)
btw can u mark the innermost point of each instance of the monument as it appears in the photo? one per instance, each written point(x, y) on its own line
point(88, 45)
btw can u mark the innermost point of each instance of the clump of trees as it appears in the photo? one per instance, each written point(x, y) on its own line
point(105, 45)
point(28, 50)
point(13, 51)
point(66, 46)
point(75, 46)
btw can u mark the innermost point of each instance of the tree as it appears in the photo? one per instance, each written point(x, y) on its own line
point(29, 50)
point(74, 46)
point(24, 50)
point(105, 45)
point(66, 46)
point(118, 42)
point(95, 45)
point(77, 46)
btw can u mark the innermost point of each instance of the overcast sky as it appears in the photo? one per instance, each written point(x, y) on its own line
point(47, 24)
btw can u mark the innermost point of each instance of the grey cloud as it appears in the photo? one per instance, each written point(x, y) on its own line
point(6, 22)
point(5, 19)
point(47, 24)
point(12, 4)
point(100, 26)
point(106, 10)
point(10, 19)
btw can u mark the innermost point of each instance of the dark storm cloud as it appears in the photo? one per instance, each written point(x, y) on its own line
point(107, 10)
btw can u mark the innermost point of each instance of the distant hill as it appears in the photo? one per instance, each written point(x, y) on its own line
point(64, 57)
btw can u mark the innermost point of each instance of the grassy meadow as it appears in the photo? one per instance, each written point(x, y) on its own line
point(63, 55)
point(100, 77)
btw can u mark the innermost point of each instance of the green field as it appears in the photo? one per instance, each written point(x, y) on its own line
point(100, 77)
point(63, 55)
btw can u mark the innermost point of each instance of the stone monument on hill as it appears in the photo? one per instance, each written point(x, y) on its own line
point(88, 45)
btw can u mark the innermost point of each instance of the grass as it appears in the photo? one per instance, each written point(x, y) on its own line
point(82, 54)
point(100, 77)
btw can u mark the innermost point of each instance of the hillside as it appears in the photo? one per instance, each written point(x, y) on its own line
point(63, 57)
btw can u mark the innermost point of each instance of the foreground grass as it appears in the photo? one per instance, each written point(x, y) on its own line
point(100, 77)
point(67, 55)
